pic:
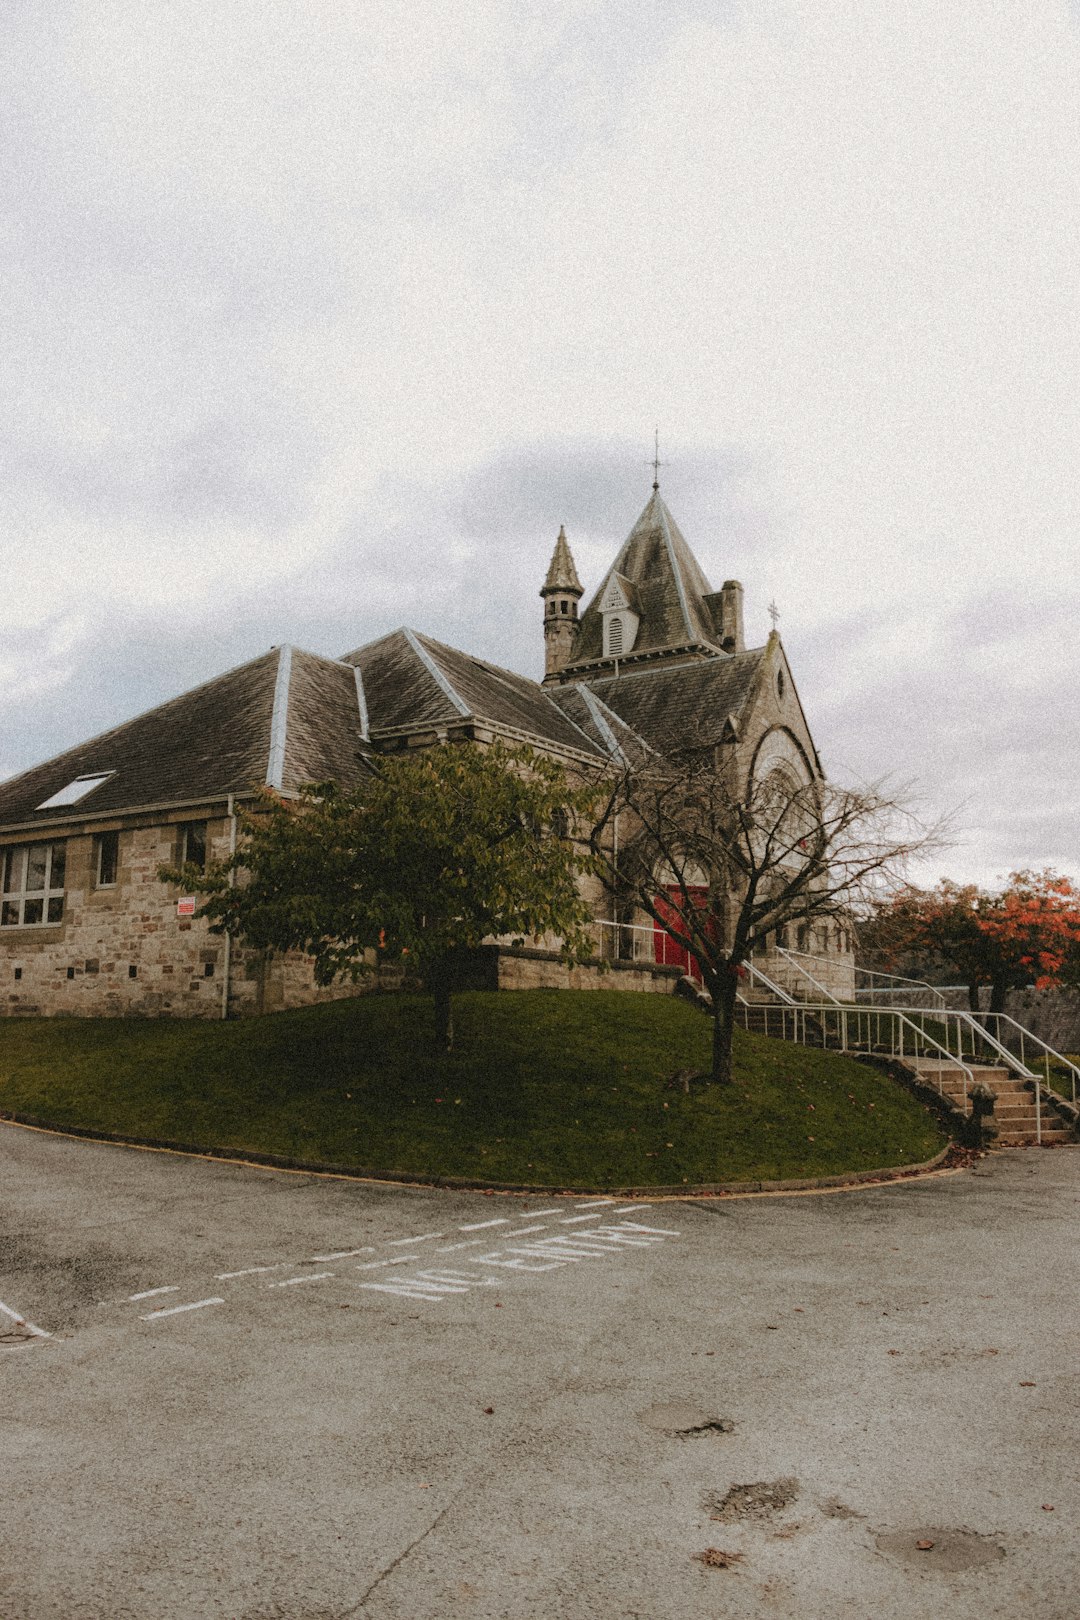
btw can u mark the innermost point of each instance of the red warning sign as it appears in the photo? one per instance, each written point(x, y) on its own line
point(186, 906)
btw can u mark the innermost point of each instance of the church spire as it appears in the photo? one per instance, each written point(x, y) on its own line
point(562, 575)
point(560, 590)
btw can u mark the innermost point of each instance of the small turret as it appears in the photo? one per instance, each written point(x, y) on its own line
point(561, 591)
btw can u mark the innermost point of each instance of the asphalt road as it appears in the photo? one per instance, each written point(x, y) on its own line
point(280, 1397)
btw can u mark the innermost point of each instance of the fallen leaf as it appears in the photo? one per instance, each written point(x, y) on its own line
point(716, 1558)
point(924, 1546)
point(1025, 1383)
point(896, 1352)
point(488, 1410)
point(1048, 1507)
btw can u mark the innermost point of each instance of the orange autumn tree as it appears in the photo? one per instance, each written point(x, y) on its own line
point(1029, 933)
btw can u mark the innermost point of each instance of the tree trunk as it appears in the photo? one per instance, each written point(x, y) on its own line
point(998, 989)
point(973, 998)
point(723, 1029)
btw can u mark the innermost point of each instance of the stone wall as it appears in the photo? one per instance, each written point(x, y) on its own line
point(123, 950)
point(542, 970)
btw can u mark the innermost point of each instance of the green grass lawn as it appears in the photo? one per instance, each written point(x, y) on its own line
point(547, 1087)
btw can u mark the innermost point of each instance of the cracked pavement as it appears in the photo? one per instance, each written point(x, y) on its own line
point(268, 1396)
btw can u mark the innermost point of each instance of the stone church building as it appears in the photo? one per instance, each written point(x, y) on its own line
point(88, 928)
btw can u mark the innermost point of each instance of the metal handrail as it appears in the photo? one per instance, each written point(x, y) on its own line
point(781, 994)
point(1048, 1052)
point(899, 1025)
point(897, 979)
point(789, 956)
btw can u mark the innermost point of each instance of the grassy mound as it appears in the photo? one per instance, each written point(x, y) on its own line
point(546, 1087)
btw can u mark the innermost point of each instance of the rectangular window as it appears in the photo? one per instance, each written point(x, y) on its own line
point(107, 849)
point(193, 844)
point(33, 878)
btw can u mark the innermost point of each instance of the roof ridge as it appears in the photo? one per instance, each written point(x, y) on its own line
point(676, 569)
point(279, 719)
point(439, 675)
point(625, 724)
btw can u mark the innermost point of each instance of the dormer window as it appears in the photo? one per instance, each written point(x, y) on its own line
point(617, 608)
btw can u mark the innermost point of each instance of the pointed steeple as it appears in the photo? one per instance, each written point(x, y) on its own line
point(677, 612)
point(560, 591)
point(562, 575)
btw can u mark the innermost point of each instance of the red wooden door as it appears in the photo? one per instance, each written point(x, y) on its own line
point(665, 950)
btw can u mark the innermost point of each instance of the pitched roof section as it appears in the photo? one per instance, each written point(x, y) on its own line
point(561, 575)
point(689, 701)
point(605, 728)
point(224, 737)
point(414, 683)
point(670, 587)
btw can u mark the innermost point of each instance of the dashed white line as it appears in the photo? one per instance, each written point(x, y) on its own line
point(344, 1254)
point(572, 1220)
point(631, 1209)
point(523, 1231)
point(20, 1321)
point(423, 1237)
point(249, 1271)
point(174, 1310)
point(309, 1276)
point(595, 1203)
point(478, 1226)
point(469, 1243)
point(149, 1293)
point(399, 1260)
point(535, 1214)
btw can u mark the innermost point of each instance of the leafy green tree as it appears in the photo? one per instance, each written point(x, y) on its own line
point(432, 853)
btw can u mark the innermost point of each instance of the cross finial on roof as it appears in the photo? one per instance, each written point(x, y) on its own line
point(656, 463)
point(774, 613)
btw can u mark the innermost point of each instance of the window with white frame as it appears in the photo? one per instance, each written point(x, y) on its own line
point(33, 884)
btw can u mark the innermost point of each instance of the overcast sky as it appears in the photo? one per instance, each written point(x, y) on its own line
point(319, 318)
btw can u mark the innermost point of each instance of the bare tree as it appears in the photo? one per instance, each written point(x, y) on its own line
point(719, 866)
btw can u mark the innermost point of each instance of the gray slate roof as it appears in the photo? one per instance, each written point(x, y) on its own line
point(212, 741)
point(687, 703)
point(413, 681)
point(670, 588)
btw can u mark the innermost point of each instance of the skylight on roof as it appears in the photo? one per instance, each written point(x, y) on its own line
point(75, 791)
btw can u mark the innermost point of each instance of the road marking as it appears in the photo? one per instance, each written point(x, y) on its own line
point(631, 1209)
point(595, 1203)
point(661, 1231)
point(506, 1257)
point(399, 1260)
point(310, 1276)
point(148, 1293)
point(249, 1271)
point(395, 1242)
point(174, 1310)
point(345, 1254)
point(535, 1214)
point(470, 1281)
point(573, 1220)
point(20, 1321)
point(416, 1288)
point(469, 1243)
point(478, 1226)
point(523, 1231)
